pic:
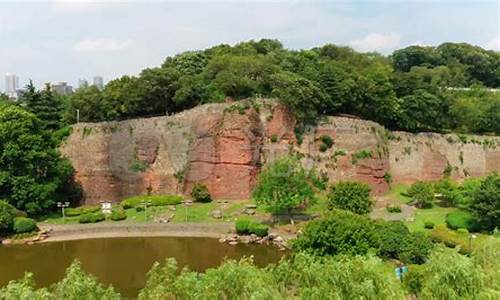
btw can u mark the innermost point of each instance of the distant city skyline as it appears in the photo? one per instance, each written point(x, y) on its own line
point(12, 80)
point(115, 38)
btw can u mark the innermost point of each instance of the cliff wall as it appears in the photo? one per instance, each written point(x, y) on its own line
point(225, 146)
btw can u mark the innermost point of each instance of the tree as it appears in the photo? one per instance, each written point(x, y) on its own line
point(352, 196)
point(423, 111)
point(32, 173)
point(404, 59)
point(89, 102)
point(283, 185)
point(7, 214)
point(486, 203)
point(422, 194)
point(45, 105)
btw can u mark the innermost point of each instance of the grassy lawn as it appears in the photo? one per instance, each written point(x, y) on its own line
point(396, 192)
point(197, 212)
point(435, 215)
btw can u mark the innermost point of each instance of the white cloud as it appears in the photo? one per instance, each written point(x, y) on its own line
point(493, 44)
point(377, 42)
point(102, 45)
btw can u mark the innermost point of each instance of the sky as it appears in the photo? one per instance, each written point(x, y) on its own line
point(65, 40)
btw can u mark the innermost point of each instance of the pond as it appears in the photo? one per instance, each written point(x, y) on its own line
point(122, 262)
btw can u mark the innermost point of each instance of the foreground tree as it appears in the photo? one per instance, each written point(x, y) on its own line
point(283, 186)
point(32, 174)
point(486, 203)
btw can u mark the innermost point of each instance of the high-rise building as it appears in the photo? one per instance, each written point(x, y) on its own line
point(98, 82)
point(82, 83)
point(62, 88)
point(11, 85)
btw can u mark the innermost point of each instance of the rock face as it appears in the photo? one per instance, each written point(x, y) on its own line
point(225, 145)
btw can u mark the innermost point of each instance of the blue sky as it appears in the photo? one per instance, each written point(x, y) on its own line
point(64, 40)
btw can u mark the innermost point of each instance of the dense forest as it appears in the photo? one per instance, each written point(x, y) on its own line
point(415, 89)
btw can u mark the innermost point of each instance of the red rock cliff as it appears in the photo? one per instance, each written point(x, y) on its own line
point(225, 145)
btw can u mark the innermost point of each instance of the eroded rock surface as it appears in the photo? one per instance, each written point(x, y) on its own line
point(225, 146)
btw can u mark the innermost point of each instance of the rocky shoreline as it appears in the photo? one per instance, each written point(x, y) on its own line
point(270, 240)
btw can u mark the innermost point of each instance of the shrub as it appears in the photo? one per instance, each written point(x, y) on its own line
point(156, 200)
point(7, 214)
point(393, 208)
point(200, 193)
point(260, 230)
point(340, 232)
point(22, 225)
point(243, 225)
point(413, 280)
point(422, 194)
point(92, 218)
point(73, 212)
point(452, 239)
point(247, 226)
point(118, 214)
point(323, 147)
point(416, 248)
point(463, 231)
point(274, 138)
point(429, 225)
point(351, 196)
point(460, 219)
point(327, 140)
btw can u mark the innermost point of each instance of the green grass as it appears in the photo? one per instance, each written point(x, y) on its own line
point(397, 191)
point(436, 215)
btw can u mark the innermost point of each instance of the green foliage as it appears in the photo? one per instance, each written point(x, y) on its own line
point(200, 193)
point(283, 185)
point(248, 226)
point(352, 196)
point(388, 178)
point(23, 225)
point(33, 176)
point(429, 225)
point(422, 194)
point(362, 154)
point(76, 284)
point(327, 141)
point(449, 275)
point(156, 200)
point(461, 219)
point(393, 209)
point(87, 209)
point(91, 218)
point(7, 215)
point(45, 105)
point(274, 138)
point(486, 203)
point(340, 232)
point(118, 214)
point(303, 276)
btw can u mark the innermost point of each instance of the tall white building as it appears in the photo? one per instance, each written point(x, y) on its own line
point(98, 82)
point(11, 85)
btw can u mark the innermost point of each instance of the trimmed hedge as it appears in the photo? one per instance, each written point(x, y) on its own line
point(429, 225)
point(92, 218)
point(461, 219)
point(82, 210)
point(247, 226)
point(23, 225)
point(156, 200)
point(118, 214)
point(441, 234)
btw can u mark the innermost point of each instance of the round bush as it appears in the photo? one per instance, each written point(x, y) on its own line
point(118, 215)
point(7, 214)
point(429, 225)
point(77, 211)
point(200, 193)
point(460, 219)
point(22, 225)
point(351, 196)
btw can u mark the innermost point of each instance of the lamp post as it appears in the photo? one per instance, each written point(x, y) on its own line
point(145, 204)
point(471, 237)
point(77, 115)
point(63, 205)
point(187, 203)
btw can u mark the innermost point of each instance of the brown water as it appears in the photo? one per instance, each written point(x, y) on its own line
point(122, 262)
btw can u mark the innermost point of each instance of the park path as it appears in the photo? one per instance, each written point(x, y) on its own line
point(65, 232)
